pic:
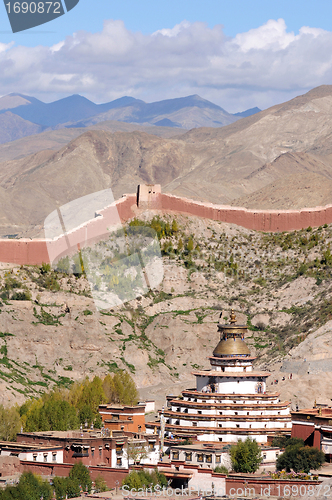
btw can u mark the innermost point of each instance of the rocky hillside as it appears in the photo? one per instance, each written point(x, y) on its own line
point(279, 284)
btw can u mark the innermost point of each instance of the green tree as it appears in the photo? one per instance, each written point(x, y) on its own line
point(284, 441)
point(190, 245)
point(246, 456)
point(86, 415)
point(49, 413)
point(30, 487)
point(180, 246)
point(10, 423)
point(66, 487)
point(60, 487)
point(300, 458)
point(72, 488)
point(109, 388)
point(82, 475)
point(125, 388)
point(92, 394)
point(144, 479)
point(100, 484)
point(175, 226)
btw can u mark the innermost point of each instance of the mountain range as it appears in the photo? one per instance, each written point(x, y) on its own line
point(279, 158)
point(21, 115)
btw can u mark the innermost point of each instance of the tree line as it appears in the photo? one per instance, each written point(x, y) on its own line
point(65, 409)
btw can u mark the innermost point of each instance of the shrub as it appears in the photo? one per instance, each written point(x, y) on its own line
point(221, 469)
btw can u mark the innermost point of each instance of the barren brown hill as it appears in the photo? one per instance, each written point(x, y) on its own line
point(56, 139)
point(32, 187)
point(280, 158)
point(234, 155)
point(298, 179)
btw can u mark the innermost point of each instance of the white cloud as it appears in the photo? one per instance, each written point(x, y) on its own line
point(271, 36)
point(5, 46)
point(173, 31)
point(259, 67)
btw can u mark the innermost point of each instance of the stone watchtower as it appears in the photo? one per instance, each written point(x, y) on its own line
point(149, 196)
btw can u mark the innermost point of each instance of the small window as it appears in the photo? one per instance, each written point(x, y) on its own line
point(199, 412)
point(237, 425)
point(151, 446)
point(175, 455)
point(194, 424)
point(35, 457)
point(218, 459)
point(53, 457)
point(119, 461)
point(200, 457)
point(100, 450)
point(208, 459)
point(188, 456)
point(264, 456)
point(45, 457)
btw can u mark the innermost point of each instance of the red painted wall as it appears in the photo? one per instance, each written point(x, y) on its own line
point(35, 252)
point(259, 220)
point(302, 431)
point(110, 476)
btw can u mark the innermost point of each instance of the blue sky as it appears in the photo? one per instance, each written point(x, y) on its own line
point(148, 16)
point(236, 53)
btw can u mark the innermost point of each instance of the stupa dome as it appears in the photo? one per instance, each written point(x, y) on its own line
point(232, 339)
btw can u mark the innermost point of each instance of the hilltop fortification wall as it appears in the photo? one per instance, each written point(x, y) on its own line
point(259, 220)
point(35, 252)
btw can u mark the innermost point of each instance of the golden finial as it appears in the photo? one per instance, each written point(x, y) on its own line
point(233, 317)
point(155, 430)
point(315, 404)
point(320, 411)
